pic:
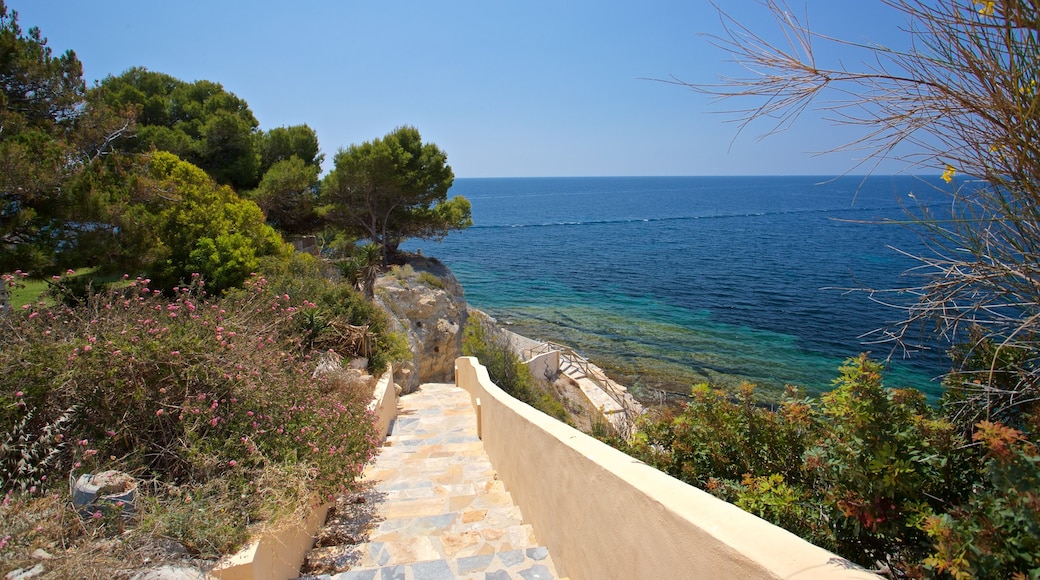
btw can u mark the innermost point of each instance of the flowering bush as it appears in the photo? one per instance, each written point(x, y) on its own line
point(182, 392)
point(857, 472)
point(996, 534)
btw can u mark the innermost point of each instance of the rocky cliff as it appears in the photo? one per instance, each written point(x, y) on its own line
point(427, 305)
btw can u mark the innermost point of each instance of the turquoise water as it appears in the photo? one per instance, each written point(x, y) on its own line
point(668, 282)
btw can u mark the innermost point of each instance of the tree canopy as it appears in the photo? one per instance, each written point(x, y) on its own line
point(393, 188)
point(50, 129)
point(140, 174)
point(282, 143)
point(288, 195)
point(199, 122)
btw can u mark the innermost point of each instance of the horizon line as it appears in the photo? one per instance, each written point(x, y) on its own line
point(824, 175)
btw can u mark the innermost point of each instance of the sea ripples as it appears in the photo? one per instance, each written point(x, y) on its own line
point(673, 281)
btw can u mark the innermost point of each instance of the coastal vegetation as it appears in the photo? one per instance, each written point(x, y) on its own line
point(156, 323)
point(205, 400)
point(484, 341)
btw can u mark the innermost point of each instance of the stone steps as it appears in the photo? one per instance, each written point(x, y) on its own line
point(433, 506)
point(528, 564)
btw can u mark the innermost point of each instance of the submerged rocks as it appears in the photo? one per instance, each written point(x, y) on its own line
point(428, 307)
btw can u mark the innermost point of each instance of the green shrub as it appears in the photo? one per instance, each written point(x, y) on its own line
point(505, 368)
point(996, 533)
point(204, 228)
point(718, 438)
point(856, 472)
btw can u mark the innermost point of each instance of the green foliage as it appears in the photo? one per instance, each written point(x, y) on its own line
point(505, 368)
point(37, 89)
point(284, 143)
point(362, 268)
point(996, 533)
point(206, 229)
point(770, 497)
point(886, 460)
point(342, 306)
point(722, 439)
point(288, 196)
point(51, 132)
point(199, 122)
point(391, 189)
point(857, 472)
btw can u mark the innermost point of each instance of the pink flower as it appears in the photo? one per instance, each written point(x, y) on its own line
point(232, 463)
point(158, 412)
point(19, 394)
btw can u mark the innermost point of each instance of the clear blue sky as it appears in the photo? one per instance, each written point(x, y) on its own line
point(532, 88)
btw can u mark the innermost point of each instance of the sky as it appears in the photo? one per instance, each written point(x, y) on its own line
point(506, 89)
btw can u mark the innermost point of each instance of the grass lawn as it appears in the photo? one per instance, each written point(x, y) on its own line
point(29, 291)
point(32, 290)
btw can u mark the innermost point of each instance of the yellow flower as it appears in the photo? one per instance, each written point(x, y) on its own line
point(947, 175)
point(988, 7)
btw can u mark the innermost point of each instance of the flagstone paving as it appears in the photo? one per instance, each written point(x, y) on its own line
point(432, 506)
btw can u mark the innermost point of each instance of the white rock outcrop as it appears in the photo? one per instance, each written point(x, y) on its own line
point(427, 305)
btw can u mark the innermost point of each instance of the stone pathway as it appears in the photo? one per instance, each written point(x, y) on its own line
point(433, 507)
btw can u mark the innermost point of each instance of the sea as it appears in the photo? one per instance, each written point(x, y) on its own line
point(670, 282)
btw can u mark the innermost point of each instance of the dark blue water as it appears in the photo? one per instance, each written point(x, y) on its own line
point(671, 281)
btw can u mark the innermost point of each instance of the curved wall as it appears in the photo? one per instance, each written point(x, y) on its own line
point(603, 514)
